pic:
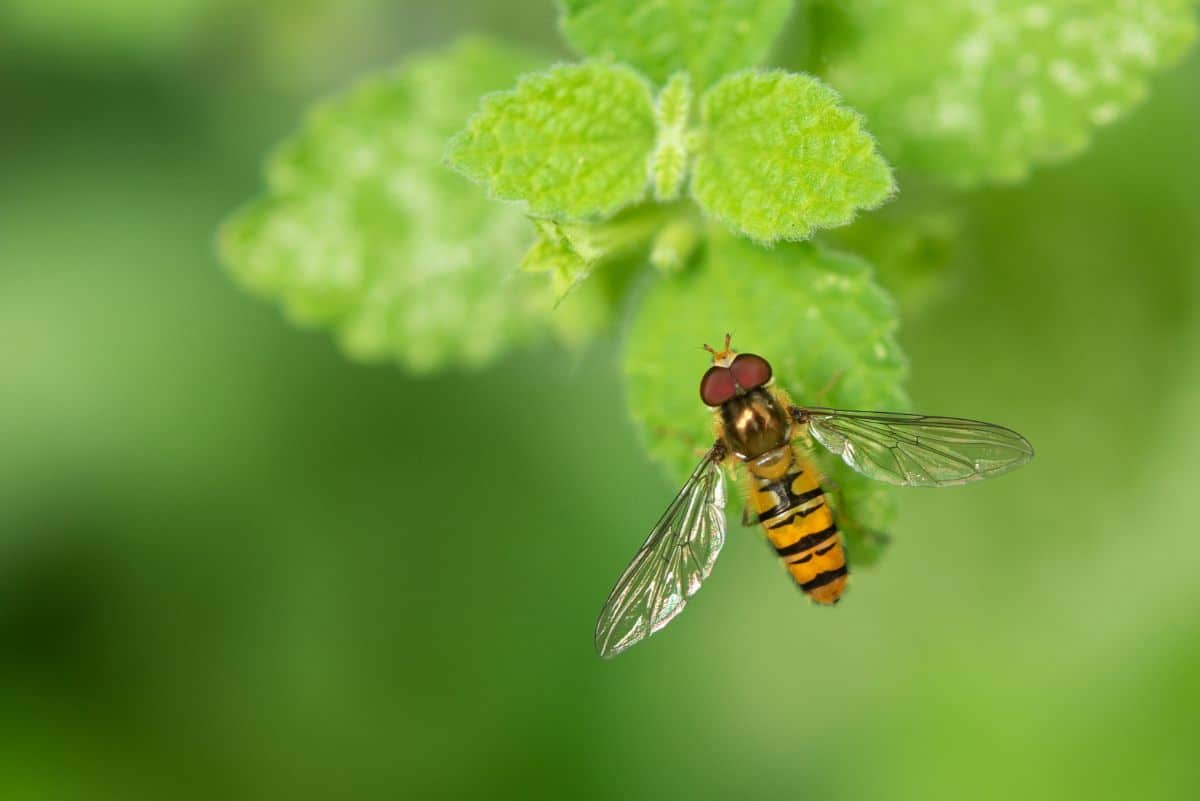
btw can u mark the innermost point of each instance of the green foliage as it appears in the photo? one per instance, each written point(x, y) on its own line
point(364, 231)
point(571, 142)
point(676, 243)
point(668, 164)
point(551, 253)
point(779, 156)
point(570, 251)
point(835, 336)
point(985, 91)
point(708, 38)
point(912, 245)
point(228, 568)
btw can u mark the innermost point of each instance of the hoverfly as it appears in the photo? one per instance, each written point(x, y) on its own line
point(758, 425)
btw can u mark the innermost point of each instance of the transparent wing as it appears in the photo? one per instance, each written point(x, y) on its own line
point(916, 450)
point(671, 565)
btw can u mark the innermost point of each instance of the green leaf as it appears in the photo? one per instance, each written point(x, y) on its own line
point(552, 255)
point(993, 89)
point(363, 230)
point(912, 244)
point(675, 243)
point(779, 156)
point(815, 314)
point(571, 143)
point(708, 38)
point(569, 252)
point(668, 164)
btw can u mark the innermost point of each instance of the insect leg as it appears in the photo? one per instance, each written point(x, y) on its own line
point(799, 417)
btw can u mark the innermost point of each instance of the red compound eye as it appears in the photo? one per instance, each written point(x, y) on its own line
point(750, 371)
point(717, 386)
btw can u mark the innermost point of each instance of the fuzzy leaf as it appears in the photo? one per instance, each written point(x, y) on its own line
point(779, 156)
point(569, 252)
point(571, 143)
point(363, 230)
point(995, 88)
point(668, 164)
point(708, 38)
point(553, 255)
point(815, 314)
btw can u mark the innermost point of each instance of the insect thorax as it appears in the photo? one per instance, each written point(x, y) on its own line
point(754, 423)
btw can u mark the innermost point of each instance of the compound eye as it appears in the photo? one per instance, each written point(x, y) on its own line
point(717, 386)
point(750, 370)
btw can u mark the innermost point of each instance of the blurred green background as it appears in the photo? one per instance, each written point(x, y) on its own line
point(235, 565)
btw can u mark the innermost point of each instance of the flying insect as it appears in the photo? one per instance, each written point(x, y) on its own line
point(758, 425)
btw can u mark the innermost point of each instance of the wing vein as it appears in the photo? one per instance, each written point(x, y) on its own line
point(668, 569)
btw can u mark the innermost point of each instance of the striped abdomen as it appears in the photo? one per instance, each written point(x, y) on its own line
point(799, 524)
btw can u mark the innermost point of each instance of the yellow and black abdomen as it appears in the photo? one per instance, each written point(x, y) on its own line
point(799, 524)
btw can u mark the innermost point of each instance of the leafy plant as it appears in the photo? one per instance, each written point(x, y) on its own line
point(996, 88)
point(669, 150)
